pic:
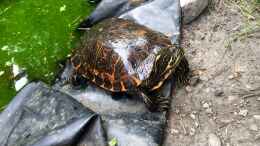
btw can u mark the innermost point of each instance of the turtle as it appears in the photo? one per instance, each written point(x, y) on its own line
point(109, 8)
point(121, 56)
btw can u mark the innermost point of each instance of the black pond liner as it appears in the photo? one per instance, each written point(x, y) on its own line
point(40, 116)
point(160, 15)
point(50, 116)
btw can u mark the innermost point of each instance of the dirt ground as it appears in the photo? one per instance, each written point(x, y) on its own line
point(221, 105)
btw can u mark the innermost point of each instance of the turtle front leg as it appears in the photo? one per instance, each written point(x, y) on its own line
point(78, 81)
point(156, 103)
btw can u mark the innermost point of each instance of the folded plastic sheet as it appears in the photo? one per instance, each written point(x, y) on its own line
point(124, 118)
point(160, 15)
point(127, 119)
point(111, 8)
point(41, 116)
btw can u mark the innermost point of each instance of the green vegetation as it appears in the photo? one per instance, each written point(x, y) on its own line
point(36, 35)
point(113, 142)
point(250, 10)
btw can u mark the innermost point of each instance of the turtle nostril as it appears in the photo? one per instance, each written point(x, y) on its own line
point(94, 1)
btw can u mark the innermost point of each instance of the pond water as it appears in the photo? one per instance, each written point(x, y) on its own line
point(36, 35)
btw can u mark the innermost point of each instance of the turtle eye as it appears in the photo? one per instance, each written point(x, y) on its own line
point(138, 49)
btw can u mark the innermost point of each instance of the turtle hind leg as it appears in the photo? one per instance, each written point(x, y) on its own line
point(156, 103)
point(78, 81)
point(118, 95)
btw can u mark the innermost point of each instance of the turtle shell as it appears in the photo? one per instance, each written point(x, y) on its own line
point(119, 55)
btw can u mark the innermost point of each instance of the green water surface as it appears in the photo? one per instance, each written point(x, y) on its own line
point(36, 35)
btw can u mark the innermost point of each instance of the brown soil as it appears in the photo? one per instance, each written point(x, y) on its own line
point(221, 106)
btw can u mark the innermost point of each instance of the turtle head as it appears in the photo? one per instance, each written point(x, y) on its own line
point(163, 64)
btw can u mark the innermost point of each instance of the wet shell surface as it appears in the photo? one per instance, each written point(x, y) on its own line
point(121, 56)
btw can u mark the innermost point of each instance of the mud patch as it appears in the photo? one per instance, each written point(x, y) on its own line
point(223, 96)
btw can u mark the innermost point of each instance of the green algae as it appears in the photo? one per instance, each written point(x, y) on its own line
point(36, 35)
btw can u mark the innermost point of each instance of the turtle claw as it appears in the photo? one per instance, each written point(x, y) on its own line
point(163, 103)
point(157, 104)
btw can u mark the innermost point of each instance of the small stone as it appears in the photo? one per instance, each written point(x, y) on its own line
point(197, 124)
point(193, 116)
point(188, 89)
point(177, 111)
point(236, 75)
point(194, 112)
point(248, 87)
point(219, 92)
point(257, 137)
point(243, 113)
point(257, 117)
point(258, 99)
point(213, 140)
point(253, 127)
point(232, 98)
point(194, 81)
point(208, 90)
point(192, 131)
point(226, 121)
point(204, 78)
point(209, 111)
point(192, 9)
point(231, 77)
point(205, 105)
point(174, 131)
point(202, 37)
